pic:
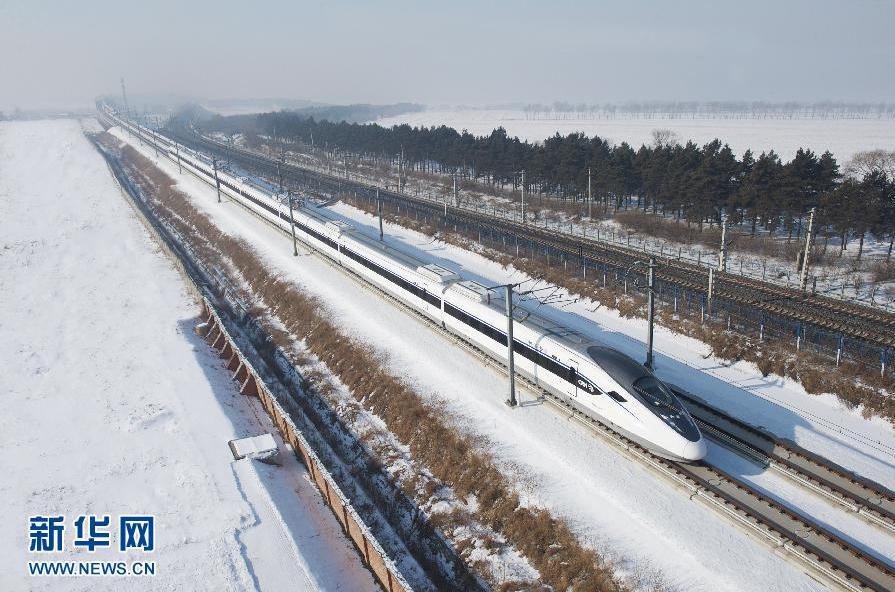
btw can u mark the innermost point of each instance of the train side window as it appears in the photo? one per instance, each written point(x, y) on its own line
point(617, 397)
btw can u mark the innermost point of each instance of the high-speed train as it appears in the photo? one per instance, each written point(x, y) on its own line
point(597, 380)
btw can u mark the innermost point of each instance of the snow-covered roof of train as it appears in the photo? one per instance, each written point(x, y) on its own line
point(472, 290)
point(437, 273)
point(338, 227)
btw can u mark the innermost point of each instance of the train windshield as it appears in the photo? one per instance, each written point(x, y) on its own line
point(661, 401)
point(656, 393)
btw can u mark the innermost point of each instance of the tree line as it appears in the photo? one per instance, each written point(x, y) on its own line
point(692, 183)
point(712, 110)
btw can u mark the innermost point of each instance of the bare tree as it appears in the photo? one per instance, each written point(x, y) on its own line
point(665, 137)
point(864, 163)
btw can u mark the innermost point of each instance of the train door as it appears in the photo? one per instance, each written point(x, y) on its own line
point(572, 379)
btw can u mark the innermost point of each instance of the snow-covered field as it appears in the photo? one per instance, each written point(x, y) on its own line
point(613, 504)
point(113, 406)
point(842, 137)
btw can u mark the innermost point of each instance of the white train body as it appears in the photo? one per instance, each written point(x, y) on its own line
point(601, 382)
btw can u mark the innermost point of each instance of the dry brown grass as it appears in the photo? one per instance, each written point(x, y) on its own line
point(454, 458)
point(681, 232)
point(883, 271)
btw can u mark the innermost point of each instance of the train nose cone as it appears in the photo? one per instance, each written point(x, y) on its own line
point(694, 451)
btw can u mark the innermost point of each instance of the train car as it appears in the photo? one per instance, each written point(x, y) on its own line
point(599, 381)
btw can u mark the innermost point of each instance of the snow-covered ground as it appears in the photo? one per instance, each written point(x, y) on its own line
point(113, 406)
point(842, 137)
point(613, 504)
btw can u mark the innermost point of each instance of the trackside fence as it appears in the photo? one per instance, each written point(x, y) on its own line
point(250, 384)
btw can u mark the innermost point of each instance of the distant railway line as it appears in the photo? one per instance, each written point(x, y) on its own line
point(847, 319)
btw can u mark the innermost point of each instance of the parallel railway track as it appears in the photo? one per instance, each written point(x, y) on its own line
point(822, 553)
point(868, 499)
point(846, 318)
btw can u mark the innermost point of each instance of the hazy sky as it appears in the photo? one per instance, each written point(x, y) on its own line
point(450, 52)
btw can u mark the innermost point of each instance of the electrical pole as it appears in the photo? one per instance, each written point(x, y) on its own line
point(722, 256)
point(400, 168)
point(589, 197)
point(177, 150)
point(523, 196)
point(455, 189)
point(124, 97)
point(651, 311)
point(280, 176)
point(292, 223)
point(803, 276)
point(217, 182)
point(711, 290)
point(511, 401)
point(379, 211)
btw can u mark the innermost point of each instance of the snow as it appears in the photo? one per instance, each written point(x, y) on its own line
point(613, 504)
point(263, 446)
point(843, 137)
point(113, 405)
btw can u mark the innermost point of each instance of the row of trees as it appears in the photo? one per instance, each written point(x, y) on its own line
point(712, 109)
point(698, 184)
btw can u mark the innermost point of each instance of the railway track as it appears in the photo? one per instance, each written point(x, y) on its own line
point(868, 499)
point(822, 553)
point(846, 318)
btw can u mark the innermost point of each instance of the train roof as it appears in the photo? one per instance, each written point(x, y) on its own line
point(437, 273)
point(623, 369)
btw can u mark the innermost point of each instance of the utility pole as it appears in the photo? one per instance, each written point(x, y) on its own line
point(803, 276)
point(217, 182)
point(651, 311)
point(711, 290)
point(292, 223)
point(124, 97)
point(511, 370)
point(523, 196)
point(589, 197)
point(177, 150)
point(379, 211)
point(455, 189)
point(280, 176)
point(722, 256)
point(400, 168)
